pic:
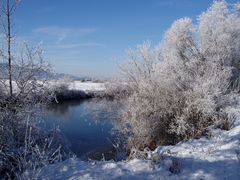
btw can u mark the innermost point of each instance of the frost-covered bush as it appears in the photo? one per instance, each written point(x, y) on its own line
point(60, 88)
point(186, 85)
point(23, 145)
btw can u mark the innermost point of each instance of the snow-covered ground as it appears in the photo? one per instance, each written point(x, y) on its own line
point(86, 86)
point(215, 158)
point(67, 90)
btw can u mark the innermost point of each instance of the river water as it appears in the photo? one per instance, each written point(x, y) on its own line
point(86, 126)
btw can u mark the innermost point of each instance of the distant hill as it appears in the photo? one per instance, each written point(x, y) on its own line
point(69, 76)
point(40, 74)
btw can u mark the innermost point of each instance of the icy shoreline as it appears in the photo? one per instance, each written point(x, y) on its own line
point(217, 157)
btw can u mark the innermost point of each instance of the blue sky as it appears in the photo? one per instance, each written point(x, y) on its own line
point(89, 37)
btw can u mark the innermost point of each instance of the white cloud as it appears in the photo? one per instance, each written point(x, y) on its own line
point(61, 33)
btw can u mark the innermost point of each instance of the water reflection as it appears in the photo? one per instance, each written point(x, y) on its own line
point(87, 126)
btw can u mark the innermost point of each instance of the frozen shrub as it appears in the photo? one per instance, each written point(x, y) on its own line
point(23, 145)
point(186, 85)
point(59, 88)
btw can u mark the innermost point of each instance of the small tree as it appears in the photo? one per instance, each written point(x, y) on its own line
point(8, 9)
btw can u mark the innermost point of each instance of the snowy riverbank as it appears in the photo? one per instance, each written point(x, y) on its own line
point(78, 90)
point(215, 158)
point(87, 86)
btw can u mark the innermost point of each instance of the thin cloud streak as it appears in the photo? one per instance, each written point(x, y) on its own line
point(61, 33)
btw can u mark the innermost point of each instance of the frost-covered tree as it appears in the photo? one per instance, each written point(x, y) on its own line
point(219, 33)
point(179, 89)
point(7, 11)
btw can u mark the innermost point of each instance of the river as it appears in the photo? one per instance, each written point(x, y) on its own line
point(86, 125)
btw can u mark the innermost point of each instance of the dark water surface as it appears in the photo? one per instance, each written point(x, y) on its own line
point(86, 126)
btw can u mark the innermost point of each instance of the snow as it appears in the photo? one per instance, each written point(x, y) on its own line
point(86, 86)
point(217, 157)
point(75, 169)
point(214, 158)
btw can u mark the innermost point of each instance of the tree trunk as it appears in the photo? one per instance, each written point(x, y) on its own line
point(9, 48)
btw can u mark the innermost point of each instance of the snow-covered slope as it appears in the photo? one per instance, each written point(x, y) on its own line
point(215, 158)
